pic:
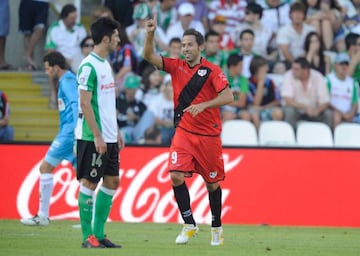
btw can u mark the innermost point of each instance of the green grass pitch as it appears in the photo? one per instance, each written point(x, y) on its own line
point(61, 238)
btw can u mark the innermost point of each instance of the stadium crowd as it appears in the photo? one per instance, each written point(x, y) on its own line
point(284, 60)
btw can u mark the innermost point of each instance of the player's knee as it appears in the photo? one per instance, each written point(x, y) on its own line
point(177, 178)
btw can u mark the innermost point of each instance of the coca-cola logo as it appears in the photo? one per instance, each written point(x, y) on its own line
point(144, 194)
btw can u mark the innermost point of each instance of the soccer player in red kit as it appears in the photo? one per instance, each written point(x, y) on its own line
point(200, 88)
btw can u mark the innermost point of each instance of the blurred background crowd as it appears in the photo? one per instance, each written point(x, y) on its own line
point(285, 60)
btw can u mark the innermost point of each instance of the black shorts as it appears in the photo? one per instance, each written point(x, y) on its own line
point(32, 14)
point(92, 165)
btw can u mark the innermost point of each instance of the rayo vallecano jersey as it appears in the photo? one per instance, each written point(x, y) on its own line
point(95, 76)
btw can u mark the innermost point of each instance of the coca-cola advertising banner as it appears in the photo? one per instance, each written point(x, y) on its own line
point(262, 186)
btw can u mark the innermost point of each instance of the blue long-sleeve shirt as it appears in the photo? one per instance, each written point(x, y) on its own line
point(68, 103)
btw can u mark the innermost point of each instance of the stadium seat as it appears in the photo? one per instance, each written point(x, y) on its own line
point(314, 134)
point(276, 133)
point(239, 133)
point(347, 135)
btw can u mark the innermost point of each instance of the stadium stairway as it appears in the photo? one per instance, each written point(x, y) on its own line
point(29, 113)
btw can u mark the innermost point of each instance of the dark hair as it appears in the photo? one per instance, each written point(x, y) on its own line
point(302, 61)
point(233, 60)
point(146, 72)
point(55, 58)
point(152, 133)
point(123, 36)
point(255, 8)
point(66, 10)
point(103, 26)
point(298, 6)
point(256, 63)
point(211, 33)
point(308, 41)
point(350, 40)
point(175, 40)
point(198, 36)
point(246, 31)
point(83, 42)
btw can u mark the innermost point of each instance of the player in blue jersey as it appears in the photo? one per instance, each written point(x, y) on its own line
point(62, 146)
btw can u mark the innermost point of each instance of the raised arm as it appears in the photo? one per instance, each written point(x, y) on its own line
point(149, 53)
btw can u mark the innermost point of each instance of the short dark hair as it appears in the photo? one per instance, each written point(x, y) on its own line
point(298, 6)
point(211, 33)
point(247, 31)
point(66, 10)
point(255, 8)
point(103, 26)
point(303, 62)
point(256, 63)
point(175, 40)
point(198, 36)
point(55, 58)
point(233, 60)
point(82, 43)
point(351, 39)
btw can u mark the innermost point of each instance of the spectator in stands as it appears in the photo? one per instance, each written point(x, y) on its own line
point(174, 49)
point(218, 25)
point(211, 51)
point(275, 15)
point(151, 81)
point(352, 42)
point(343, 91)
point(263, 99)
point(166, 13)
point(246, 50)
point(240, 88)
point(136, 32)
point(325, 17)
point(314, 53)
point(186, 13)
point(291, 37)
point(201, 11)
point(65, 36)
point(263, 35)
point(124, 60)
point(6, 131)
point(4, 31)
point(152, 136)
point(86, 45)
point(100, 11)
point(130, 111)
point(233, 10)
point(305, 94)
point(122, 11)
point(33, 15)
point(162, 107)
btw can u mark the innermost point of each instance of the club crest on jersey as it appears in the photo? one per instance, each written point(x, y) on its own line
point(213, 174)
point(202, 72)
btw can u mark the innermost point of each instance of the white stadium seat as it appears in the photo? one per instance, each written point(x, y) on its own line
point(347, 135)
point(276, 133)
point(314, 134)
point(239, 133)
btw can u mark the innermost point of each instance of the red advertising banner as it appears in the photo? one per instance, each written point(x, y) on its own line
point(262, 186)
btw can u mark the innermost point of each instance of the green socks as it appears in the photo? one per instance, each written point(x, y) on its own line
point(85, 201)
point(102, 209)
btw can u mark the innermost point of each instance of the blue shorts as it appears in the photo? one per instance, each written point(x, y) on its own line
point(4, 17)
point(62, 148)
point(32, 14)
